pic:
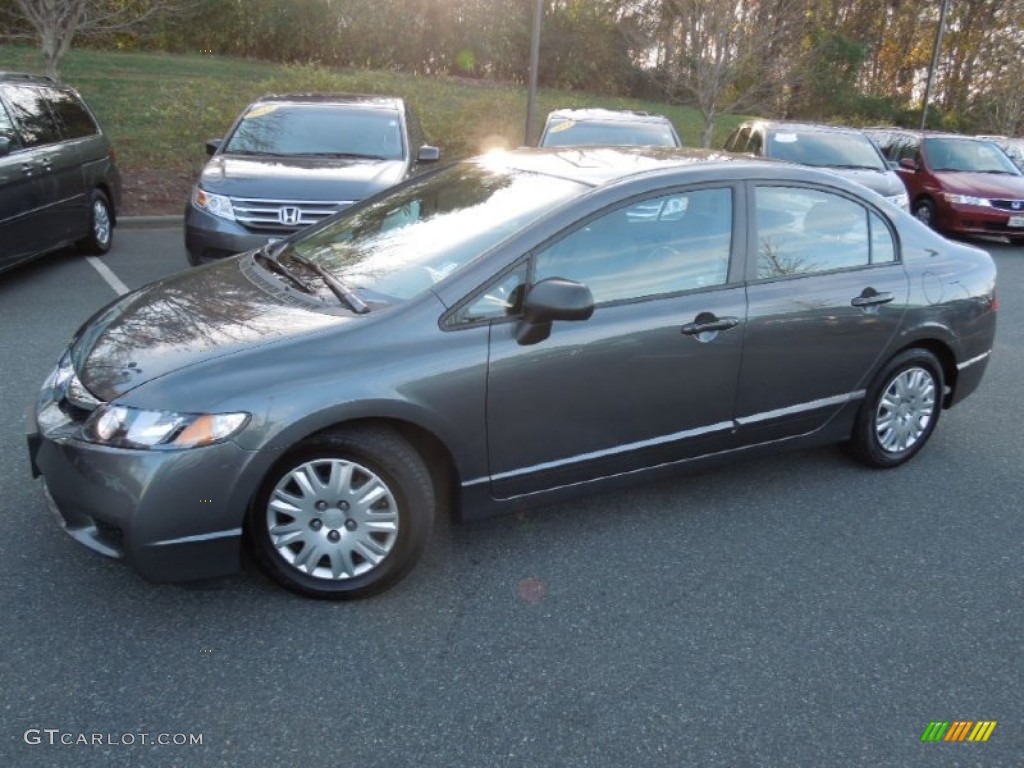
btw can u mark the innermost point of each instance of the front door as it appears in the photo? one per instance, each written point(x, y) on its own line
point(647, 379)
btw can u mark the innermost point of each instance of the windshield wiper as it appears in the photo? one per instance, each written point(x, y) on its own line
point(263, 256)
point(359, 155)
point(345, 295)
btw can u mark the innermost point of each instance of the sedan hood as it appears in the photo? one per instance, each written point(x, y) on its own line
point(299, 178)
point(885, 183)
point(190, 318)
point(997, 186)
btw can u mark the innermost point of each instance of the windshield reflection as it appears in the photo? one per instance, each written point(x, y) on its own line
point(401, 245)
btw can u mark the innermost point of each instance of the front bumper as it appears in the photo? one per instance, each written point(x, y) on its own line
point(172, 515)
point(978, 220)
point(208, 238)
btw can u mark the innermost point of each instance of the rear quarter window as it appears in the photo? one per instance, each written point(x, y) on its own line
point(31, 114)
point(74, 118)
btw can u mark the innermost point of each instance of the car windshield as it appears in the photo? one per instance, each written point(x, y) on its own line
point(825, 149)
point(573, 133)
point(401, 244)
point(318, 130)
point(967, 155)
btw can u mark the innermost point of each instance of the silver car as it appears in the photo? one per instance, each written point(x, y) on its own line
point(501, 333)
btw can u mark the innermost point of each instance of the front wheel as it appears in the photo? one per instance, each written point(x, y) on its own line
point(924, 210)
point(345, 515)
point(899, 411)
point(101, 226)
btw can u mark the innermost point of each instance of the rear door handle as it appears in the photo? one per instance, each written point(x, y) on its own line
point(27, 169)
point(871, 298)
point(706, 322)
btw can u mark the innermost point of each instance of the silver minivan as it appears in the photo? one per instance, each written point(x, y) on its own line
point(59, 184)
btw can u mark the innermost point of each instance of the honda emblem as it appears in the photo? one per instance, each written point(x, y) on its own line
point(289, 215)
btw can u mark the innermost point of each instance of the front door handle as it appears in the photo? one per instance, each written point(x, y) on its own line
point(706, 322)
point(871, 298)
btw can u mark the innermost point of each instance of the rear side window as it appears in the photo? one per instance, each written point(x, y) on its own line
point(72, 114)
point(32, 116)
point(805, 231)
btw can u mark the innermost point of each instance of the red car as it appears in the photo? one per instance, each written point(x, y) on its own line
point(960, 184)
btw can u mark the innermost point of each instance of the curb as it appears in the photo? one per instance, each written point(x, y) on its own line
point(150, 222)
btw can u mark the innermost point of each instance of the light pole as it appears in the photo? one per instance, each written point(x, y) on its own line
point(935, 62)
point(531, 95)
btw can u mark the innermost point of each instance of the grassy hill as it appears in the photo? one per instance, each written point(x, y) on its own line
point(159, 109)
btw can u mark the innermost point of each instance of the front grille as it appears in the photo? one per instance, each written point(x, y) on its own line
point(1017, 206)
point(282, 217)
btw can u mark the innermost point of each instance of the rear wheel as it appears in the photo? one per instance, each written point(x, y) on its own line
point(924, 210)
point(345, 515)
point(101, 225)
point(899, 411)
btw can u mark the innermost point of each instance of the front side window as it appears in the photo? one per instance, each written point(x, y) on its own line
point(31, 115)
point(677, 242)
point(405, 242)
point(804, 231)
point(318, 130)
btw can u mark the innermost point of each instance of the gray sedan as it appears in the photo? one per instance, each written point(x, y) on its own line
point(504, 332)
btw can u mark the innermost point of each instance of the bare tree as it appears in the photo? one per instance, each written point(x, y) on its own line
point(56, 23)
point(725, 54)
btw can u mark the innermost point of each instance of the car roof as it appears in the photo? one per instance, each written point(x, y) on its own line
point(618, 115)
point(346, 99)
point(25, 77)
point(597, 166)
point(788, 125)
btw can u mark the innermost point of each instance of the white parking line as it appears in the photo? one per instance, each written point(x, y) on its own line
point(112, 280)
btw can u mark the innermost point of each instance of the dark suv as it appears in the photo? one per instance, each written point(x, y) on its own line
point(291, 161)
point(593, 127)
point(846, 151)
point(59, 184)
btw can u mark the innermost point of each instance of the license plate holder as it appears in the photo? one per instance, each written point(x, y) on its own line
point(1015, 221)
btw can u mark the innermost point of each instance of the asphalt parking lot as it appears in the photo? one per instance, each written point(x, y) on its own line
point(798, 610)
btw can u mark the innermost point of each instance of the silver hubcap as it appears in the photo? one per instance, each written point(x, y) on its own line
point(100, 222)
point(905, 410)
point(332, 519)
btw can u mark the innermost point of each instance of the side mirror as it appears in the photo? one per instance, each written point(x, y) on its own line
point(908, 163)
point(5, 145)
point(553, 299)
point(212, 145)
point(428, 154)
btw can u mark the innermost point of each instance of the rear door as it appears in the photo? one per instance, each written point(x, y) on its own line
point(826, 295)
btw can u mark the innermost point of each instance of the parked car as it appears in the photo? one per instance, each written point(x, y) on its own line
point(291, 161)
point(846, 151)
point(593, 127)
point(1014, 147)
point(960, 184)
point(497, 334)
point(59, 183)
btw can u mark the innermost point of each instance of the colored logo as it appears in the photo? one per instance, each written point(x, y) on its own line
point(958, 730)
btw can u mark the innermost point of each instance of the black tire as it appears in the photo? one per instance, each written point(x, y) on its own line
point(375, 455)
point(924, 211)
point(101, 226)
point(881, 435)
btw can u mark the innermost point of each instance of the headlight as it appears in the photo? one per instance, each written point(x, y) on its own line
point(125, 427)
point(966, 200)
point(218, 205)
point(900, 201)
